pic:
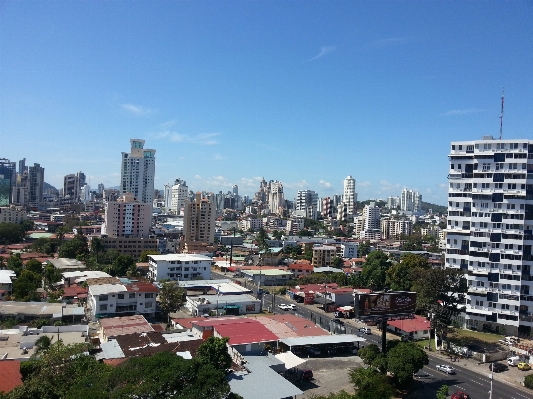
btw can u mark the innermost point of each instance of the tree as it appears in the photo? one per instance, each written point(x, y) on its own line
point(15, 263)
point(369, 384)
point(25, 286)
point(441, 293)
point(442, 393)
point(45, 245)
point(33, 265)
point(43, 343)
point(364, 249)
point(277, 234)
point(337, 262)
point(214, 351)
point(74, 248)
point(97, 246)
point(27, 225)
point(374, 271)
point(404, 360)
point(372, 356)
point(401, 276)
point(528, 381)
point(261, 239)
point(170, 297)
point(51, 275)
point(145, 253)
point(11, 233)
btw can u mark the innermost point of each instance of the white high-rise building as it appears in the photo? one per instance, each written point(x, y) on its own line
point(138, 171)
point(411, 201)
point(490, 231)
point(276, 200)
point(180, 194)
point(307, 203)
point(349, 196)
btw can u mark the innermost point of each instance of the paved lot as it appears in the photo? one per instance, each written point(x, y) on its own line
point(330, 375)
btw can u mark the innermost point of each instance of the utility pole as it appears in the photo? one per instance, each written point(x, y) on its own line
point(491, 377)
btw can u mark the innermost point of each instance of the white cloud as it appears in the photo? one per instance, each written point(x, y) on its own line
point(462, 111)
point(325, 184)
point(363, 184)
point(299, 185)
point(198, 177)
point(219, 157)
point(200, 139)
point(166, 125)
point(323, 51)
point(137, 110)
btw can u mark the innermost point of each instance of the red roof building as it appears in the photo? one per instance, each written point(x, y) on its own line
point(417, 327)
point(11, 377)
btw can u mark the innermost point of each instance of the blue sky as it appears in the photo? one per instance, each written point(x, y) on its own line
point(228, 92)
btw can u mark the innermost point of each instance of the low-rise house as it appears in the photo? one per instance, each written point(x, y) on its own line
point(6, 283)
point(416, 328)
point(301, 268)
point(268, 277)
point(223, 305)
point(110, 328)
point(112, 297)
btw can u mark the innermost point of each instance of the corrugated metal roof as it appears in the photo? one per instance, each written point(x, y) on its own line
point(261, 382)
point(326, 339)
point(110, 350)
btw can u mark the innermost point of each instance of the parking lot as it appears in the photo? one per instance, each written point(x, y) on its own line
point(330, 375)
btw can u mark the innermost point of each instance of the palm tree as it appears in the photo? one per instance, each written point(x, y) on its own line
point(43, 343)
point(97, 246)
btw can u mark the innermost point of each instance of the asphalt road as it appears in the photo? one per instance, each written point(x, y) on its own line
point(475, 384)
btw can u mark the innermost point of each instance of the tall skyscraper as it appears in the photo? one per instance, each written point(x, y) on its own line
point(138, 171)
point(179, 193)
point(7, 180)
point(22, 166)
point(35, 184)
point(127, 217)
point(410, 201)
point(72, 185)
point(199, 221)
point(307, 201)
point(349, 195)
point(490, 231)
point(276, 200)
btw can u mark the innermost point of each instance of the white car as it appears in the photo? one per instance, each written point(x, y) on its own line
point(445, 368)
point(284, 306)
point(291, 306)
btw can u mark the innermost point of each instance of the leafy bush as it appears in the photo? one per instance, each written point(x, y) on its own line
point(528, 381)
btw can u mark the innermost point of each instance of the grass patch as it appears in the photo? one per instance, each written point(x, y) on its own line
point(461, 335)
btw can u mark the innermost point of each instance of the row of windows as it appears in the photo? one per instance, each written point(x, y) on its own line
point(127, 308)
point(131, 295)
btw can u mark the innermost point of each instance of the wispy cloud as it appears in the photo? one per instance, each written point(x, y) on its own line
point(137, 110)
point(200, 139)
point(325, 184)
point(166, 125)
point(323, 51)
point(219, 157)
point(391, 41)
point(462, 111)
point(299, 185)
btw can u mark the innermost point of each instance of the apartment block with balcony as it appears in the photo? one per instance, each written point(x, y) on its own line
point(323, 255)
point(490, 231)
point(179, 267)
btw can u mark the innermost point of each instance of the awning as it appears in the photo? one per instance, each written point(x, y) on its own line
point(290, 359)
point(231, 307)
point(322, 339)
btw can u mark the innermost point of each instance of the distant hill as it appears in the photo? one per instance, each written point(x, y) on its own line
point(434, 207)
point(48, 186)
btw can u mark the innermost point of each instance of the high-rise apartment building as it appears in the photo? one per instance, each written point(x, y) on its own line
point(411, 201)
point(490, 231)
point(199, 221)
point(127, 217)
point(307, 201)
point(276, 200)
point(349, 195)
point(138, 171)
point(179, 194)
point(72, 185)
point(35, 185)
point(8, 175)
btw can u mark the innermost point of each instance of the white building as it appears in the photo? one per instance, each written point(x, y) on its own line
point(138, 171)
point(349, 249)
point(392, 228)
point(253, 224)
point(411, 201)
point(179, 196)
point(307, 202)
point(179, 267)
point(371, 228)
point(490, 231)
point(349, 196)
point(122, 299)
point(12, 214)
point(276, 200)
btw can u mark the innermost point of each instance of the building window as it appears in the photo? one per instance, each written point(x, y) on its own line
point(103, 298)
point(120, 296)
point(132, 296)
point(149, 295)
point(103, 307)
point(148, 304)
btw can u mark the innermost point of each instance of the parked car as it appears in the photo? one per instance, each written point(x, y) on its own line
point(513, 361)
point(460, 395)
point(524, 366)
point(445, 368)
point(307, 375)
point(498, 367)
point(365, 330)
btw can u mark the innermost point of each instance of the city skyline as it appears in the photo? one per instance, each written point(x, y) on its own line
point(228, 93)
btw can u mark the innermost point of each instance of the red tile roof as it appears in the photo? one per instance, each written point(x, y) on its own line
point(74, 290)
point(11, 377)
point(141, 287)
point(239, 330)
point(419, 323)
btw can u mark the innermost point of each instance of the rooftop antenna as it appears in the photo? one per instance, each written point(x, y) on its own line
point(501, 114)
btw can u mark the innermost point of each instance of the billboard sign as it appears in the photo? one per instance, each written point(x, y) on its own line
point(309, 298)
point(386, 303)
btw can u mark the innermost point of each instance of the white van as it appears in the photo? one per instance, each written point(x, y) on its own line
point(365, 330)
point(513, 361)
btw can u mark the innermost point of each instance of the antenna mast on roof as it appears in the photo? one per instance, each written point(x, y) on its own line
point(501, 114)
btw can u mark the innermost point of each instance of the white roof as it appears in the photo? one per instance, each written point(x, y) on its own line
point(6, 275)
point(88, 274)
point(323, 339)
point(182, 257)
point(104, 289)
point(290, 359)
